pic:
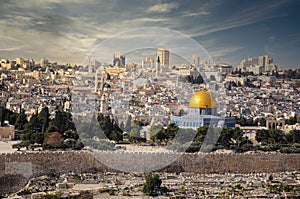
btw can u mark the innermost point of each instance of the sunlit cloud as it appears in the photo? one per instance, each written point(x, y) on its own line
point(162, 8)
point(196, 14)
point(74, 28)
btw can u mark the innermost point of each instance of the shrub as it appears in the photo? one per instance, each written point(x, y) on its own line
point(152, 185)
point(111, 192)
point(104, 190)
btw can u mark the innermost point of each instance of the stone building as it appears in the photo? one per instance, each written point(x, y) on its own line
point(7, 132)
point(202, 112)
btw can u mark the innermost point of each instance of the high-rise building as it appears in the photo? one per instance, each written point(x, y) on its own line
point(118, 59)
point(196, 60)
point(19, 61)
point(265, 61)
point(117, 54)
point(164, 56)
point(148, 63)
point(44, 62)
point(122, 59)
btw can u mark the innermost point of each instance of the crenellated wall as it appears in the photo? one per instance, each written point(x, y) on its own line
point(16, 169)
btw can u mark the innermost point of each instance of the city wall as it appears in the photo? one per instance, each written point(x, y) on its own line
point(17, 169)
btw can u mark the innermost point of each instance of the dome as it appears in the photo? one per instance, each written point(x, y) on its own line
point(141, 81)
point(202, 99)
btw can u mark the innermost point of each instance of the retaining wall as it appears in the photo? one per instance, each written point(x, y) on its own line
point(16, 169)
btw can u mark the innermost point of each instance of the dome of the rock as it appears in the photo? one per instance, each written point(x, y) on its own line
point(202, 99)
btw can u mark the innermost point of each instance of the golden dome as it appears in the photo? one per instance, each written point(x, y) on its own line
point(202, 99)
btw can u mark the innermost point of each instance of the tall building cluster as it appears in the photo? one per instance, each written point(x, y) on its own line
point(258, 65)
point(148, 62)
point(16, 63)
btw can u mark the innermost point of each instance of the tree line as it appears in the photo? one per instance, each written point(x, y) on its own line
point(42, 131)
point(277, 140)
point(190, 140)
point(207, 139)
point(288, 74)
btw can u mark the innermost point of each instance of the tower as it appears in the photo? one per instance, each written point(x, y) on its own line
point(96, 82)
point(44, 62)
point(164, 56)
point(102, 104)
point(157, 67)
point(196, 60)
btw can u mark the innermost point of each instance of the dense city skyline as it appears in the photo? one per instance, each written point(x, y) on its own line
point(229, 30)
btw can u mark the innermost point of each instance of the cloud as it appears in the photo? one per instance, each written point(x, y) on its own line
point(196, 14)
point(69, 29)
point(9, 43)
point(11, 48)
point(162, 8)
point(224, 51)
point(244, 17)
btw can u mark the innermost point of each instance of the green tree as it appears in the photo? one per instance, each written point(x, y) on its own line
point(262, 135)
point(292, 120)
point(201, 133)
point(33, 125)
point(134, 135)
point(21, 121)
point(2, 114)
point(12, 118)
point(293, 136)
point(63, 121)
point(8, 115)
point(110, 128)
point(171, 130)
point(50, 129)
point(261, 121)
point(152, 187)
point(225, 139)
point(127, 126)
point(44, 118)
point(270, 136)
point(37, 138)
point(161, 136)
point(70, 134)
point(59, 121)
point(154, 131)
point(165, 134)
point(116, 136)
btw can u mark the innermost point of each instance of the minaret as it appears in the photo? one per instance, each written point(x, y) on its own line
point(157, 68)
point(96, 82)
point(90, 69)
point(102, 104)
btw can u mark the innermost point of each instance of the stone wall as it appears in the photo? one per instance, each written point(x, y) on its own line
point(16, 169)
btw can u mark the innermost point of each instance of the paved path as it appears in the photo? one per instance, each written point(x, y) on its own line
point(6, 146)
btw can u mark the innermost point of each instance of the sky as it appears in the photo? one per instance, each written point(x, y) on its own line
point(229, 30)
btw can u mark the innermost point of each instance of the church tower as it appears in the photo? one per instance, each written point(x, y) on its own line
point(157, 67)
